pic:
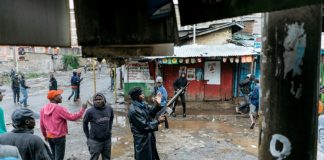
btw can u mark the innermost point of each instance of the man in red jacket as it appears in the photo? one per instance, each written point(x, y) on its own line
point(53, 123)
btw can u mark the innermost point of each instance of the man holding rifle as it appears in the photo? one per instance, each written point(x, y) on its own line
point(159, 89)
point(178, 84)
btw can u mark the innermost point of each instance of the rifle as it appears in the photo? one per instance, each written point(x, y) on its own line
point(175, 97)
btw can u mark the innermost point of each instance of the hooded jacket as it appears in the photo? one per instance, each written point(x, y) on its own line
point(30, 146)
point(101, 121)
point(53, 120)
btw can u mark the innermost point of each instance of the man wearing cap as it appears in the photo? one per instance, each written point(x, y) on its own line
point(2, 120)
point(143, 124)
point(178, 84)
point(100, 117)
point(30, 146)
point(159, 89)
point(246, 87)
point(53, 123)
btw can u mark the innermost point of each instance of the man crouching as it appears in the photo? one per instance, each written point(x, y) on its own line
point(142, 122)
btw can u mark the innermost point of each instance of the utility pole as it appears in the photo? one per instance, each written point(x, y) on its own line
point(94, 76)
point(194, 34)
point(290, 83)
point(15, 56)
point(115, 83)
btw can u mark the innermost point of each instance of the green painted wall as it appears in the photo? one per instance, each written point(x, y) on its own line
point(148, 88)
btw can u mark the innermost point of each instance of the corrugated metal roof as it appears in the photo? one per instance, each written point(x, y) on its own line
point(226, 50)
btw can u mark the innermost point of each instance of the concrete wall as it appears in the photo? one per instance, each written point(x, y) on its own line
point(37, 62)
point(215, 38)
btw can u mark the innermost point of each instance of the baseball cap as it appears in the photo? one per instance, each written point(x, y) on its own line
point(53, 93)
point(159, 79)
point(248, 75)
point(21, 114)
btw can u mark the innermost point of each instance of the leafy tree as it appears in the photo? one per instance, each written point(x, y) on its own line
point(70, 61)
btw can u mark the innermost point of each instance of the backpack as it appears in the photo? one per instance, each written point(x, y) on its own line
point(245, 86)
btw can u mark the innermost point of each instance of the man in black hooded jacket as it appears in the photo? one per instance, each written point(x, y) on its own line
point(178, 84)
point(143, 124)
point(100, 117)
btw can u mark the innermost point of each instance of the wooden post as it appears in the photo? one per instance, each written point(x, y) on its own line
point(290, 83)
point(94, 76)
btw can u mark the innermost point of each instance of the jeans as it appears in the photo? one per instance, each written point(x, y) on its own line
point(58, 147)
point(97, 148)
point(25, 96)
point(75, 93)
point(112, 85)
point(16, 94)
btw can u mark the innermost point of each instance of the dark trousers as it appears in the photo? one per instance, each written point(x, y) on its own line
point(183, 101)
point(246, 103)
point(166, 123)
point(97, 148)
point(58, 147)
point(16, 94)
point(78, 92)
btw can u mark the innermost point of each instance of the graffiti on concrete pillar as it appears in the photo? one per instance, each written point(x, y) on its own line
point(294, 44)
point(284, 151)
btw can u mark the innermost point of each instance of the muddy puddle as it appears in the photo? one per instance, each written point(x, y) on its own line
point(244, 138)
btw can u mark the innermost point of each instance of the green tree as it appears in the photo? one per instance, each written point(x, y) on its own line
point(70, 61)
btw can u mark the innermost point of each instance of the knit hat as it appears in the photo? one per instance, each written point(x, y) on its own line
point(135, 92)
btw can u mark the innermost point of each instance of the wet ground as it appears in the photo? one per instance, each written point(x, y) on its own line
point(209, 132)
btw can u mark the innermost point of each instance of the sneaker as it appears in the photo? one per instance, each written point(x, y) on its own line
point(173, 114)
point(26, 105)
point(184, 115)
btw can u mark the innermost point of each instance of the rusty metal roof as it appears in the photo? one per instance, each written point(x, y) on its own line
point(226, 50)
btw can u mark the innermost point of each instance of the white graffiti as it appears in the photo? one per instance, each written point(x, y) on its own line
point(294, 44)
point(286, 147)
point(296, 92)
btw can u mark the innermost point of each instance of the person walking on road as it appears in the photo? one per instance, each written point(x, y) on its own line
point(15, 86)
point(2, 120)
point(112, 79)
point(159, 89)
point(53, 82)
point(178, 84)
point(143, 124)
point(23, 90)
point(78, 86)
point(254, 103)
point(30, 146)
point(246, 87)
point(53, 123)
point(100, 117)
point(74, 86)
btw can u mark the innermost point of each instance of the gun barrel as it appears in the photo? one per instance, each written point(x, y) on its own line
point(177, 95)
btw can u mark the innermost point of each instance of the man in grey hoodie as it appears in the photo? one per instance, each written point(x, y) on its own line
point(101, 117)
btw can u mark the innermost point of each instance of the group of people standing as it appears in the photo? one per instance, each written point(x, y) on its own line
point(97, 123)
point(21, 143)
point(18, 85)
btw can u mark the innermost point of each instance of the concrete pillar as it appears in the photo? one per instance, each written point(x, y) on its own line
point(290, 84)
